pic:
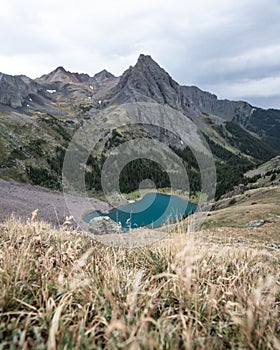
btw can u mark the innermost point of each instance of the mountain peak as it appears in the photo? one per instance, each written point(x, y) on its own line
point(147, 65)
point(146, 60)
point(60, 69)
point(60, 74)
point(146, 81)
point(104, 74)
point(143, 57)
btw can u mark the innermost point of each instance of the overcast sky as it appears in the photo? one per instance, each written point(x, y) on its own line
point(228, 47)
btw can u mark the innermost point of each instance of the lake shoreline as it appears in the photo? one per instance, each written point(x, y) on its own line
point(152, 210)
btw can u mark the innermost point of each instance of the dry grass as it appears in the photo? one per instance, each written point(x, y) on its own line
point(63, 290)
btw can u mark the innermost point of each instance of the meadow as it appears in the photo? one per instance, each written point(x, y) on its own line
point(61, 289)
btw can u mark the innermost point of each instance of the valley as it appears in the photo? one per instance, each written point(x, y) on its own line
point(213, 286)
point(38, 119)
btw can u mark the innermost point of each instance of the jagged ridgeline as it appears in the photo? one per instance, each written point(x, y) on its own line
point(39, 117)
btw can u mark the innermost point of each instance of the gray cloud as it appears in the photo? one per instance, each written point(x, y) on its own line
point(231, 48)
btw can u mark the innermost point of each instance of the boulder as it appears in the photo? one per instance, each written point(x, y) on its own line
point(273, 245)
point(103, 225)
point(255, 223)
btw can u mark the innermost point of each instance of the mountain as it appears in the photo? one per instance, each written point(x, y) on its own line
point(15, 89)
point(147, 81)
point(103, 76)
point(60, 74)
point(39, 117)
point(64, 76)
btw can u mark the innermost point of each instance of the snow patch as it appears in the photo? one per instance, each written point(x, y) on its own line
point(51, 91)
point(30, 99)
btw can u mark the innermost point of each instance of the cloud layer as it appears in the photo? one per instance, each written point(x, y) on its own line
point(231, 48)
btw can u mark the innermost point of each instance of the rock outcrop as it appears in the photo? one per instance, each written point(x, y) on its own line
point(103, 225)
point(15, 89)
point(255, 223)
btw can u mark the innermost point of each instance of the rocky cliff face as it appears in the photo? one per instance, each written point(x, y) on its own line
point(15, 89)
point(147, 81)
point(63, 93)
point(144, 82)
point(205, 102)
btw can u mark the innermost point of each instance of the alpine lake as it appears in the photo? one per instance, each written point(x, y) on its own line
point(153, 211)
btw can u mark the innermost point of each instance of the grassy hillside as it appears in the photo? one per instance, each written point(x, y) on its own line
point(255, 204)
point(265, 123)
point(63, 290)
point(32, 150)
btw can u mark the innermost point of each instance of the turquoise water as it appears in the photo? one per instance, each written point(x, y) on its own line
point(153, 211)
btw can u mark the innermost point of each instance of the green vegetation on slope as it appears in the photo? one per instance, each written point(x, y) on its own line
point(35, 153)
point(231, 166)
point(248, 144)
point(265, 123)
